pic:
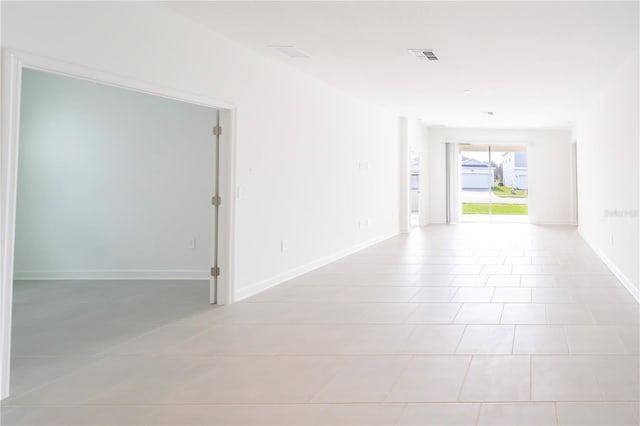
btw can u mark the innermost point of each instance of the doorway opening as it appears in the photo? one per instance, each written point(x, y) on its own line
point(414, 188)
point(123, 213)
point(114, 228)
point(494, 183)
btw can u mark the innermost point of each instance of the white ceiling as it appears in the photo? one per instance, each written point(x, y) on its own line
point(535, 64)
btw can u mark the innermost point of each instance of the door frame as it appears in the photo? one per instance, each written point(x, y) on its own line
point(575, 217)
point(451, 174)
point(13, 63)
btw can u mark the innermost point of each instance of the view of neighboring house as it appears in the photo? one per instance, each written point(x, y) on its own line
point(476, 174)
point(515, 170)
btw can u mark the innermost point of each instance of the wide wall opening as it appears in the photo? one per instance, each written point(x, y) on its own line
point(115, 221)
point(493, 183)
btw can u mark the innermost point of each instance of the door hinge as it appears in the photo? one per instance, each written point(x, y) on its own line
point(217, 130)
point(216, 200)
point(215, 271)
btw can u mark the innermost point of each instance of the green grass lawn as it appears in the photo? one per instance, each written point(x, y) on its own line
point(505, 192)
point(482, 208)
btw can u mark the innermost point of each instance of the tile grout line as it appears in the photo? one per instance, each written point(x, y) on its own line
point(298, 403)
point(501, 313)
point(530, 378)
point(455, 351)
point(456, 314)
point(566, 339)
point(395, 382)
point(464, 380)
point(493, 294)
point(479, 413)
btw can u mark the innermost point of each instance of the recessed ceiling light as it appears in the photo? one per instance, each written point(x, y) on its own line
point(290, 51)
point(489, 113)
point(466, 91)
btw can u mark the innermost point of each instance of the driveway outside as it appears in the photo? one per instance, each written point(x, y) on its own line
point(482, 196)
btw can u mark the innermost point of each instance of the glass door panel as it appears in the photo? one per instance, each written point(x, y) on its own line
point(477, 176)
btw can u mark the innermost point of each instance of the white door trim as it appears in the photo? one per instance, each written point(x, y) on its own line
point(13, 62)
point(574, 183)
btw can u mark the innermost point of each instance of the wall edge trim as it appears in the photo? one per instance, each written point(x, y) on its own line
point(261, 286)
point(626, 282)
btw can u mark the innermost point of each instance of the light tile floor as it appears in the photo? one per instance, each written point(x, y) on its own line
point(472, 324)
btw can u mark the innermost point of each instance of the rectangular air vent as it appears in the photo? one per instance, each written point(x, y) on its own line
point(424, 54)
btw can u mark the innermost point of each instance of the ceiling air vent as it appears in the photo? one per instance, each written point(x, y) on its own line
point(424, 54)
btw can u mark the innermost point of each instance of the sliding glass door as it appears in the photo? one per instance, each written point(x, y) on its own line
point(493, 183)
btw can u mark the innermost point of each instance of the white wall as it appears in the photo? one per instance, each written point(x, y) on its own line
point(437, 177)
point(416, 134)
point(550, 181)
point(404, 193)
point(299, 141)
point(111, 183)
point(424, 202)
point(607, 142)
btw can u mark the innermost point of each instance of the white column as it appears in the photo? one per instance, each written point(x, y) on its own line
point(423, 206)
point(404, 207)
point(453, 185)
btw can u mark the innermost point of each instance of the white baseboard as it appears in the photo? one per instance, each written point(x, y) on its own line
point(626, 282)
point(253, 289)
point(133, 274)
point(553, 223)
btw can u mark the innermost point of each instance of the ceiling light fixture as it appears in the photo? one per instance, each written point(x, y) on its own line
point(466, 91)
point(290, 51)
point(489, 113)
point(424, 54)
